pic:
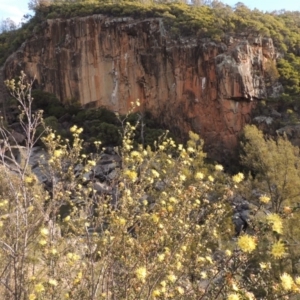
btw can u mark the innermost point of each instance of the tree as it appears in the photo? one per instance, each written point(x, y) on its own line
point(275, 167)
point(275, 164)
point(34, 4)
point(7, 25)
point(197, 2)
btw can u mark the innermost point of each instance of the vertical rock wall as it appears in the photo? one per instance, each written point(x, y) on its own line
point(188, 84)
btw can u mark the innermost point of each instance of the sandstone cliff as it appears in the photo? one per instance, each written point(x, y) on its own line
point(188, 84)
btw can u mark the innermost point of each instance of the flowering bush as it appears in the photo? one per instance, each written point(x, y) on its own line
point(166, 233)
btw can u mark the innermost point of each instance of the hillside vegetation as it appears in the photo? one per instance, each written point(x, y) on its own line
point(163, 228)
point(166, 223)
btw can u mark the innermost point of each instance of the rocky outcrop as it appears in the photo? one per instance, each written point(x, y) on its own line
point(187, 84)
point(292, 132)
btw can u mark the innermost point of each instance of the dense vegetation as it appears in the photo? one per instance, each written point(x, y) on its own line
point(98, 124)
point(165, 233)
point(215, 21)
point(170, 233)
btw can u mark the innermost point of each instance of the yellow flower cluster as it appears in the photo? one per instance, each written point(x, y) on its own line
point(219, 168)
point(286, 281)
point(74, 129)
point(155, 218)
point(91, 163)
point(171, 277)
point(53, 251)
point(194, 136)
point(233, 296)
point(30, 179)
point(155, 173)
point(53, 282)
point(238, 177)
point(141, 273)
point(180, 290)
point(121, 221)
point(278, 249)
point(246, 243)
point(199, 176)
point(210, 178)
point(276, 222)
point(44, 231)
point(58, 153)
point(264, 199)
point(265, 266)
point(3, 203)
point(182, 177)
point(72, 258)
point(78, 278)
point(67, 219)
point(132, 175)
point(39, 288)
point(10, 84)
point(42, 242)
point(190, 150)
point(135, 155)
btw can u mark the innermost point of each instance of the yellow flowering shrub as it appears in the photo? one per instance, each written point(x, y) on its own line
point(166, 233)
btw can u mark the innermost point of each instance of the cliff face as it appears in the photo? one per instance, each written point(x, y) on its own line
point(188, 84)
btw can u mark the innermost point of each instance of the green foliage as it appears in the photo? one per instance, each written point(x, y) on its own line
point(289, 70)
point(275, 165)
point(98, 124)
point(10, 41)
point(217, 19)
point(102, 124)
point(108, 134)
point(151, 135)
point(101, 114)
point(52, 122)
point(48, 103)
